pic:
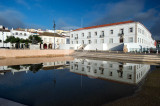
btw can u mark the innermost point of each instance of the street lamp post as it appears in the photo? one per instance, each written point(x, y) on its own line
point(3, 37)
point(54, 26)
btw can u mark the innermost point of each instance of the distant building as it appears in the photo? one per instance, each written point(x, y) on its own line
point(20, 33)
point(128, 36)
point(51, 40)
point(3, 35)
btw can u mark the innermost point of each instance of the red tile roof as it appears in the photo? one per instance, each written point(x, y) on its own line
point(118, 23)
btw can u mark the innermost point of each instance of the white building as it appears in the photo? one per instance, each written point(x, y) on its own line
point(3, 35)
point(129, 35)
point(125, 73)
point(24, 34)
point(51, 39)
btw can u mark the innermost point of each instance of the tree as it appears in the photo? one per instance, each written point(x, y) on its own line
point(10, 39)
point(36, 67)
point(35, 39)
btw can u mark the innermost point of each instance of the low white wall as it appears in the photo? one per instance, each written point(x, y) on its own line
point(115, 46)
point(34, 47)
point(69, 46)
point(94, 47)
point(5, 44)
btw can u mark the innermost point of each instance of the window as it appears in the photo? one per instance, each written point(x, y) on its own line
point(20, 34)
point(45, 39)
point(95, 71)
point(16, 33)
point(130, 29)
point(102, 40)
point(82, 41)
point(102, 71)
point(129, 76)
point(121, 31)
point(130, 39)
point(77, 35)
point(138, 40)
point(110, 65)
point(95, 33)
point(25, 34)
point(72, 42)
point(143, 32)
point(111, 31)
point(62, 41)
point(82, 34)
point(82, 68)
point(139, 30)
point(50, 40)
point(89, 41)
point(102, 33)
point(77, 42)
point(110, 73)
point(130, 67)
point(89, 33)
point(72, 36)
point(111, 40)
point(95, 41)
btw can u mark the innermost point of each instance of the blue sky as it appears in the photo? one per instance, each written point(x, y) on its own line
point(69, 14)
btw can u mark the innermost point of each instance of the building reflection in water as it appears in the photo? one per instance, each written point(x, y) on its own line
point(115, 71)
point(119, 72)
point(33, 67)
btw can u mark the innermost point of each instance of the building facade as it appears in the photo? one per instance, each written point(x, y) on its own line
point(51, 40)
point(18, 33)
point(131, 35)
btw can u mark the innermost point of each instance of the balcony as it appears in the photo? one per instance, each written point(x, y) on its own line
point(88, 37)
point(76, 38)
point(101, 36)
point(121, 34)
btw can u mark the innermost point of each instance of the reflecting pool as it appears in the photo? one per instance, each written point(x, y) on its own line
point(81, 82)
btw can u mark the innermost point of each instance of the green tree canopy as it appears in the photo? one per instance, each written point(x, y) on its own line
point(35, 39)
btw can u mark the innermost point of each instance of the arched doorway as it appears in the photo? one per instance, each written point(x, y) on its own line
point(45, 46)
point(50, 46)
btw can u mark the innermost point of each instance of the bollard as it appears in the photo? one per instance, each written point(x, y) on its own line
point(157, 51)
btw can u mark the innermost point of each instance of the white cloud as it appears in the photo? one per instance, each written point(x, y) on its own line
point(24, 3)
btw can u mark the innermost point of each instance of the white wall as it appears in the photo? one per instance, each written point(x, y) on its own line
point(69, 46)
point(107, 35)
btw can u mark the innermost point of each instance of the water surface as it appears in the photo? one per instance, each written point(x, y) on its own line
point(71, 83)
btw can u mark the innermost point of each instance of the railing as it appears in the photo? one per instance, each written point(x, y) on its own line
point(121, 34)
point(101, 36)
point(88, 36)
point(76, 37)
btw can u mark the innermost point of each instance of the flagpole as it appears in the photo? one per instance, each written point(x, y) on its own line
point(54, 26)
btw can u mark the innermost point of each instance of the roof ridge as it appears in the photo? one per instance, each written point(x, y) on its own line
point(111, 24)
